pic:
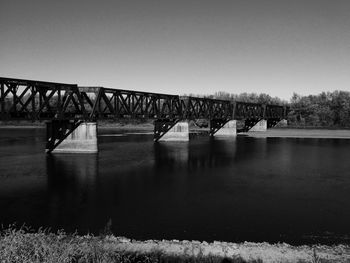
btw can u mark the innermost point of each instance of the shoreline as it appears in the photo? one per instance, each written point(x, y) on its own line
point(110, 247)
point(300, 133)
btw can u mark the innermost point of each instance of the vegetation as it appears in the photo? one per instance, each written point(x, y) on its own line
point(22, 245)
point(249, 97)
point(331, 109)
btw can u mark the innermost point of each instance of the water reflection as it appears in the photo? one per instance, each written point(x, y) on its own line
point(71, 186)
point(217, 152)
point(171, 155)
point(195, 155)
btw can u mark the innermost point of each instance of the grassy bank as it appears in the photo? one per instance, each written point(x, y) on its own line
point(25, 246)
point(43, 246)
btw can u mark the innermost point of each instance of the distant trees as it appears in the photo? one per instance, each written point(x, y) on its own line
point(325, 109)
point(249, 97)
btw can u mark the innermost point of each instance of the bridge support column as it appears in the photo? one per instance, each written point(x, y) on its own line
point(223, 128)
point(271, 123)
point(171, 130)
point(68, 137)
point(260, 126)
point(282, 123)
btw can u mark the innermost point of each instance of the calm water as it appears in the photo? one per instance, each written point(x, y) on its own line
point(254, 189)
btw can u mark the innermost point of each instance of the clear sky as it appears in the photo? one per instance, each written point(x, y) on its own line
point(180, 46)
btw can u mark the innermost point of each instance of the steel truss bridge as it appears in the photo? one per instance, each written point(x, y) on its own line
point(22, 99)
point(37, 100)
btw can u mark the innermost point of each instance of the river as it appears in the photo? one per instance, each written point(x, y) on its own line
point(294, 190)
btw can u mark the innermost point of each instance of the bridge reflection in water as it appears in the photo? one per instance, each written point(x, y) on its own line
point(71, 187)
point(217, 152)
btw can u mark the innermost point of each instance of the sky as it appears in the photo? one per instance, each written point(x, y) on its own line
point(180, 47)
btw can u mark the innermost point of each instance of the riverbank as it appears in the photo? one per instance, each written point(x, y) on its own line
point(301, 133)
point(21, 246)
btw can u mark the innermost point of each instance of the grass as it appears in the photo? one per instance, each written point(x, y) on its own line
point(25, 245)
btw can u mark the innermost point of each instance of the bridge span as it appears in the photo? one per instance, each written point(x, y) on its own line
point(71, 112)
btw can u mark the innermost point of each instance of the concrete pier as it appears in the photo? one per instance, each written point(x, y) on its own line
point(229, 129)
point(282, 123)
point(179, 132)
point(82, 140)
point(260, 126)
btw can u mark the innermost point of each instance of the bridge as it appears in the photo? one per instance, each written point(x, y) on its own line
point(72, 111)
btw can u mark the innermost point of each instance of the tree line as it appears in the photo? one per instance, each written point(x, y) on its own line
point(327, 109)
point(330, 109)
